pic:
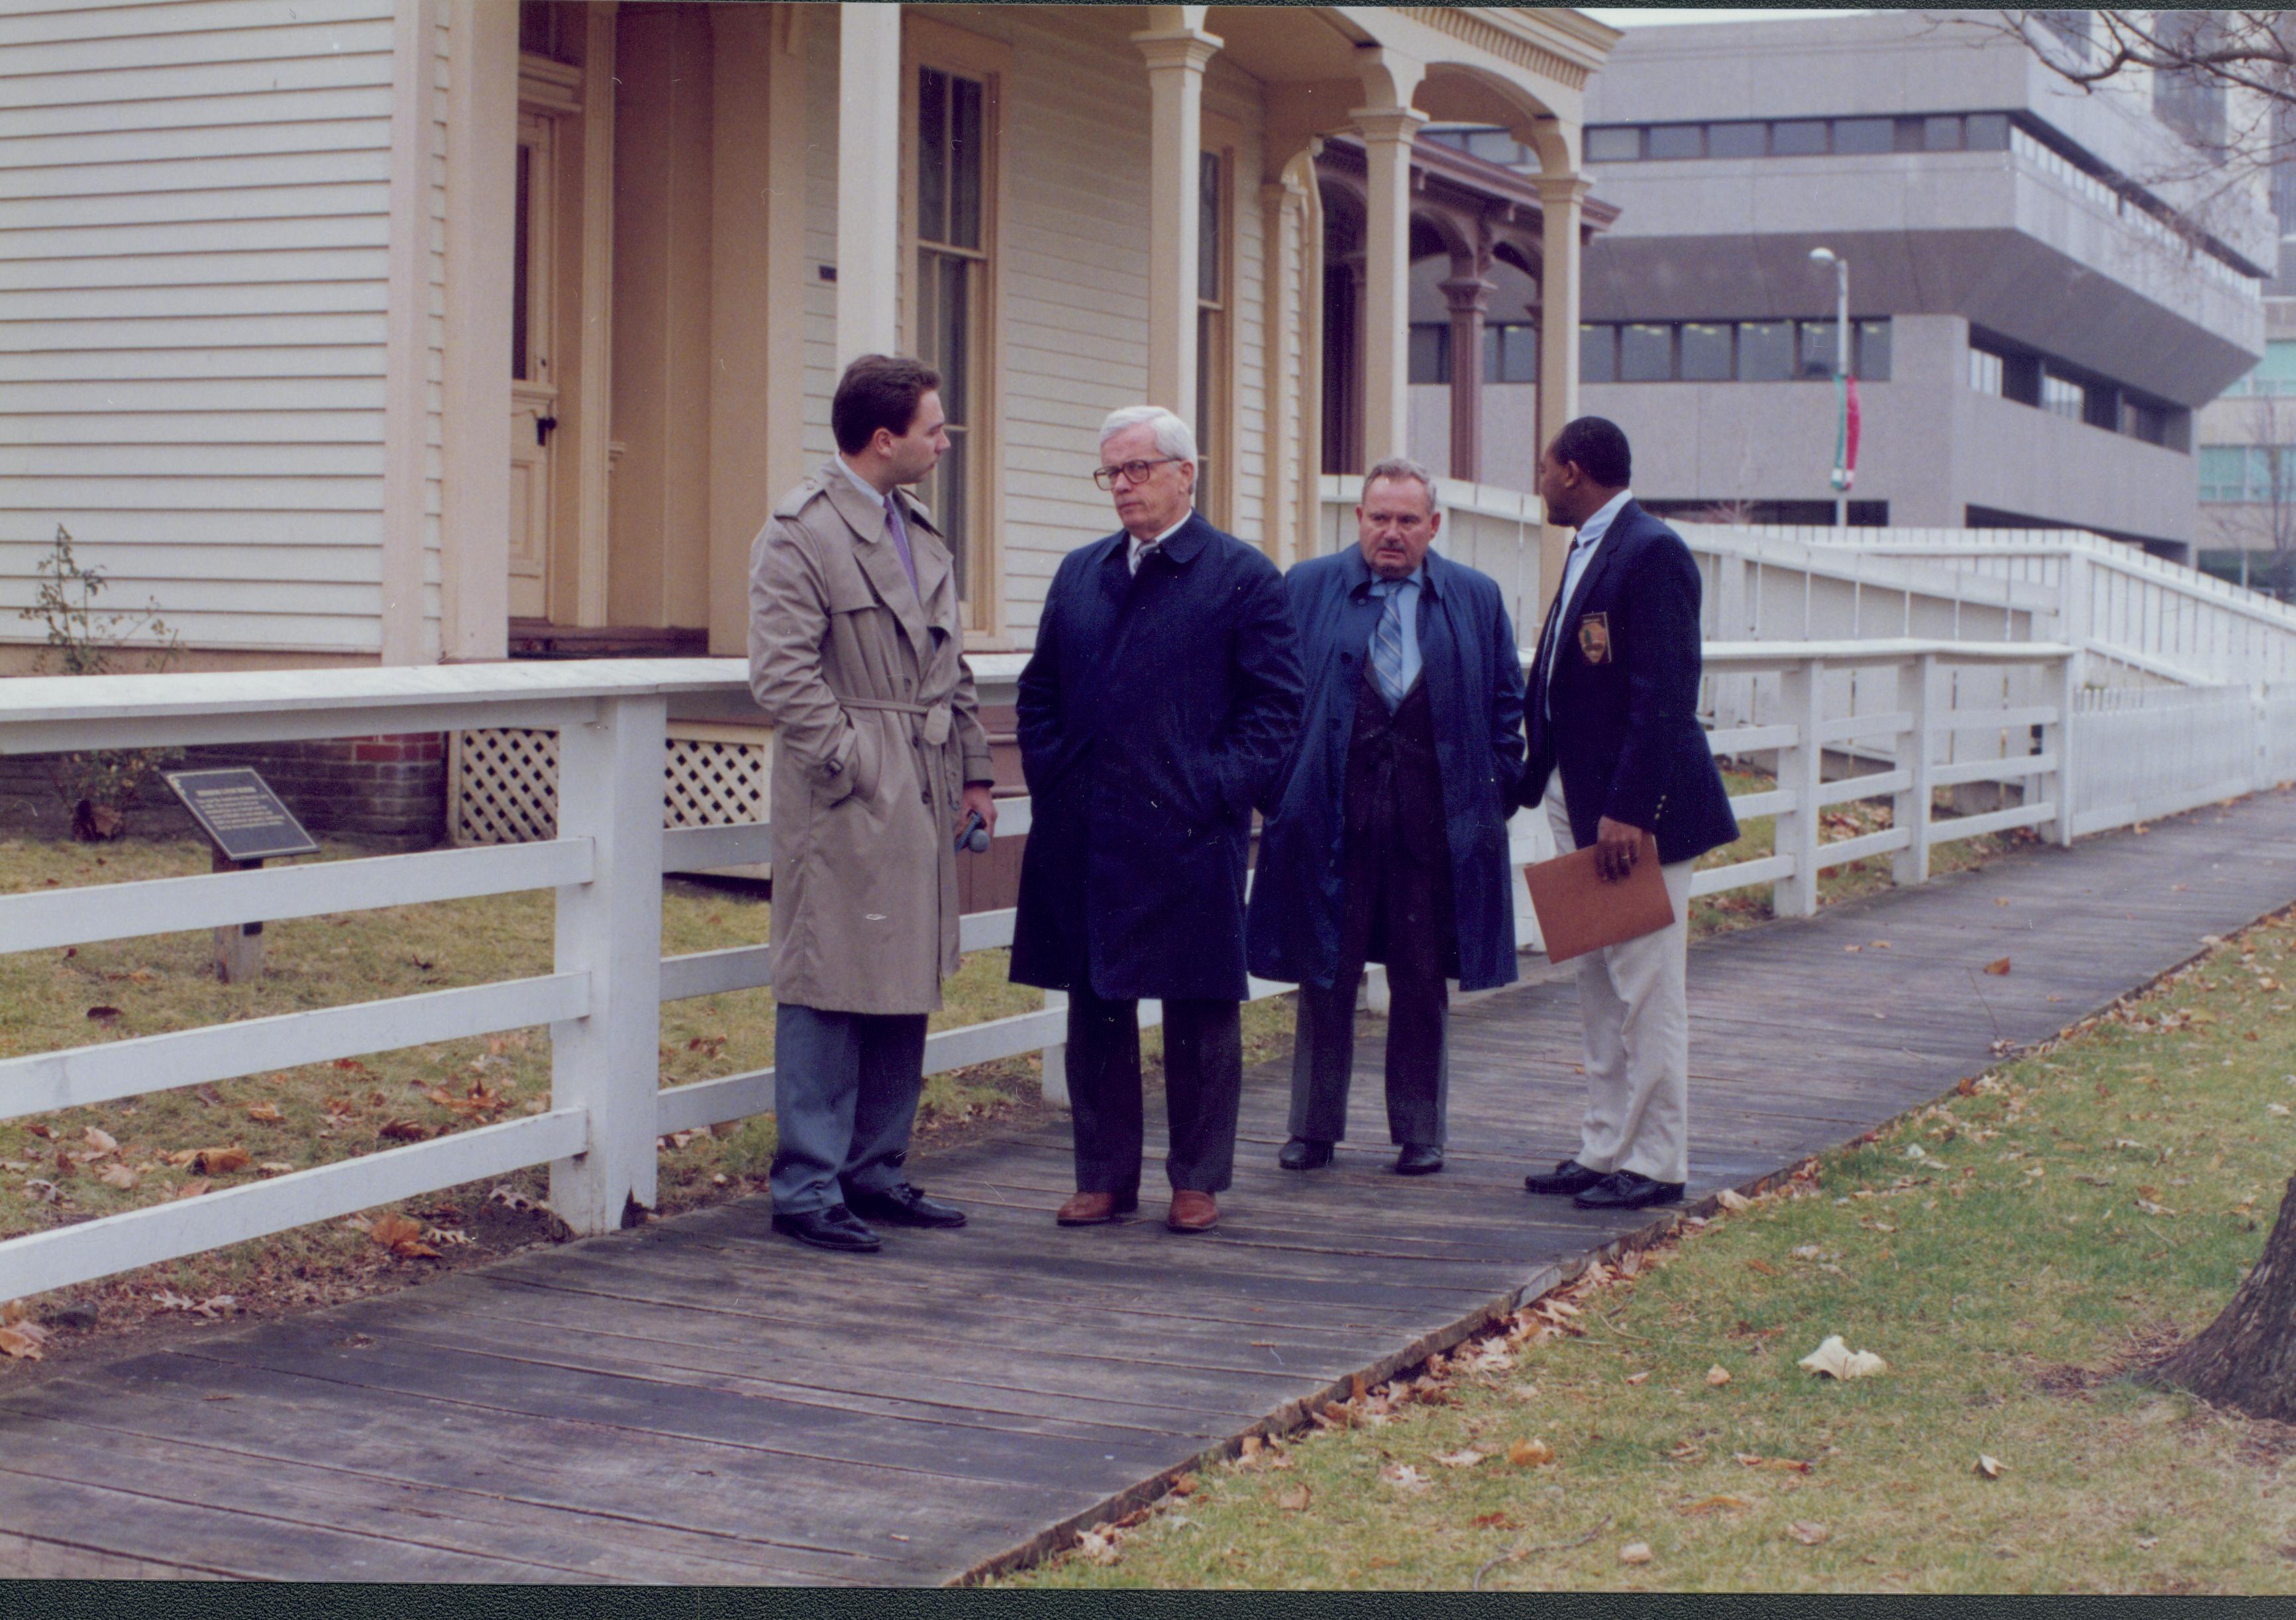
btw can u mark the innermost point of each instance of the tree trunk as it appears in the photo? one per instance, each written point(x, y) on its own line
point(2246, 1358)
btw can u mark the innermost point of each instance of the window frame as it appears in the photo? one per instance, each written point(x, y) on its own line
point(1217, 440)
point(928, 43)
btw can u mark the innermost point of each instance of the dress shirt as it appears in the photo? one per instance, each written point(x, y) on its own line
point(1407, 591)
point(893, 524)
point(1582, 552)
point(1136, 548)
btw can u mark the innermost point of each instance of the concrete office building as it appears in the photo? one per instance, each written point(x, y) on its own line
point(2247, 465)
point(2035, 320)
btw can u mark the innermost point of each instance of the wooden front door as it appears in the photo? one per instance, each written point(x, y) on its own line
point(534, 383)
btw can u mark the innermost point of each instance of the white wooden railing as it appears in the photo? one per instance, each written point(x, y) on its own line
point(1937, 713)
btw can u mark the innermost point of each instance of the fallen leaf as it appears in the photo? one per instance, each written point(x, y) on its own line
point(1733, 1201)
point(265, 1113)
point(1464, 1458)
point(100, 1141)
point(1252, 1444)
point(1638, 1378)
point(194, 1187)
point(1763, 1266)
point(1987, 1468)
point(274, 1167)
point(209, 1095)
point(1404, 1476)
point(2148, 1207)
point(103, 1015)
point(1715, 1504)
point(1294, 1499)
point(1833, 1359)
point(1492, 1521)
point(1808, 1534)
point(1717, 1376)
point(405, 1130)
point(402, 1237)
point(1532, 1453)
point(219, 1161)
point(118, 1176)
point(1096, 1547)
point(1635, 1552)
point(19, 1345)
point(1997, 967)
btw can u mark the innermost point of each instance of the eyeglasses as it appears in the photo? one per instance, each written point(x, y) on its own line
point(1132, 472)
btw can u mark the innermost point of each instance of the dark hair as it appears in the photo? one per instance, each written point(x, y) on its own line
point(878, 391)
point(1599, 447)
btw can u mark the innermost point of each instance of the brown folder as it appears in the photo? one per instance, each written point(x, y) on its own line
point(1578, 911)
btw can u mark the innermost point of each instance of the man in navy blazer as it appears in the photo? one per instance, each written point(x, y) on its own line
point(1160, 701)
point(1389, 842)
point(1616, 752)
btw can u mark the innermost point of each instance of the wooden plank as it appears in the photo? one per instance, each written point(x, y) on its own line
point(50, 918)
point(82, 1075)
point(63, 1255)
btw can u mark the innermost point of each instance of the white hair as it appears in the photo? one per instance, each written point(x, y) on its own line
point(1398, 469)
point(1173, 436)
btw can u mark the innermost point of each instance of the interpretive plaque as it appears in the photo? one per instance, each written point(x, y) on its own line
point(238, 810)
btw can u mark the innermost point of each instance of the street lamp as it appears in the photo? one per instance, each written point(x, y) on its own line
point(1827, 256)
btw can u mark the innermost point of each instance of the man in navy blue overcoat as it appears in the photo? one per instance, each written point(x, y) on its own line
point(1389, 841)
point(1160, 703)
point(1616, 752)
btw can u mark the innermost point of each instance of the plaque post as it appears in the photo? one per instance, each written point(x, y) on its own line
point(238, 947)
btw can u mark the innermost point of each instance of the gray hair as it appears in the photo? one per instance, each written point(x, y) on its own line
point(1396, 468)
point(1173, 436)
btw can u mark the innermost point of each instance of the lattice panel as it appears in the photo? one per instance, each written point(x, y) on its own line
point(712, 783)
point(505, 784)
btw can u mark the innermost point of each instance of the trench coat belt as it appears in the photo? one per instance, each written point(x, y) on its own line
point(935, 716)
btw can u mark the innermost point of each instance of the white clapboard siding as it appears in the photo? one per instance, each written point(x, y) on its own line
point(194, 228)
point(1076, 333)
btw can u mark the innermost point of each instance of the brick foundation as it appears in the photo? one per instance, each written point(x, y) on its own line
point(388, 791)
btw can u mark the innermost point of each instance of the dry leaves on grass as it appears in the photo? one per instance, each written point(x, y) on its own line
point(1987, 1468)
point(264, 1113)
point(99, 1142)
point(1466, 1458)
point(1808, 1534)
point(1531, 1453)
point(402, 1237)
point(1635, 1552)
point(1403, 1476)
point(1733, 1201)
point(1717, 1376)
point(1705, 1505)
point(119, 1176)
point(1294, 1499)
point(21, 1338)
point(212, 1161)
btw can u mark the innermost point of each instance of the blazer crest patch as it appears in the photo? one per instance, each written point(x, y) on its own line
point(1594, 637)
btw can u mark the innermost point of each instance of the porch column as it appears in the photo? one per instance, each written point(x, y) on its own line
point(1387, 132)
point(1561, 197)
point(1175, 58)
point(1470, 296)
point(868, 180)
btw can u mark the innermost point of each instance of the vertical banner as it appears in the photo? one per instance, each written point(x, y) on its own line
point(1845, 440)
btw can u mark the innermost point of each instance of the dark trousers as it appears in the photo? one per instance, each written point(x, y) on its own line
point(845, 1096)
point(1418, 1059)
point(1203, 1087)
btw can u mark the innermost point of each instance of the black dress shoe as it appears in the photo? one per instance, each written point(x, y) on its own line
point(1300, 1154)
point(1624, 1189)
point(1417, 1159)
point(1569, 1178)
point(835, 1227)
point(902, 1205)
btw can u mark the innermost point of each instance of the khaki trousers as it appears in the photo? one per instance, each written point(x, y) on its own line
point(1633, 1006)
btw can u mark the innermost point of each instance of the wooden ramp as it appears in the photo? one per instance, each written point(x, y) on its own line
point(700, 1401)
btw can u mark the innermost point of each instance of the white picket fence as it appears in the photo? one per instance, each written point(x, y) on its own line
point(1945, 712)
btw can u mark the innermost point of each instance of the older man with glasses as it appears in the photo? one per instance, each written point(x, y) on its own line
point(1159, 706)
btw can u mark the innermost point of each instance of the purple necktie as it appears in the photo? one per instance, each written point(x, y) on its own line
point(901, 543)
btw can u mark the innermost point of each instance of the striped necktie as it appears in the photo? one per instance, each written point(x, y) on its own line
point(1387, 643)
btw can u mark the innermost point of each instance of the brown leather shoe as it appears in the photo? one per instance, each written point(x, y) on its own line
point(1193, 1212)
point(1095, 1208)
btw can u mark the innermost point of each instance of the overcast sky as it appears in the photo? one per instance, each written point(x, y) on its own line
point(1649, 16)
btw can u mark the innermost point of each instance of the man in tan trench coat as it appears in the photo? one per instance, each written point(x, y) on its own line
point(857, 657)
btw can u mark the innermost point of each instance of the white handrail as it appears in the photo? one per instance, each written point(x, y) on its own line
point(1909, 714)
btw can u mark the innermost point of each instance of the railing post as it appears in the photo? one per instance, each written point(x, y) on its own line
point(609, 1063)
point(1911, 865)
point(2058, 739)
point(1055, 1080)
point(1800, 768)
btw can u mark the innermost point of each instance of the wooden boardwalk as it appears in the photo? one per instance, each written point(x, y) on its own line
point(698, 1400)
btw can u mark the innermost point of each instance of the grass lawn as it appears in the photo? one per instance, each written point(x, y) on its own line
point(2011, 1254)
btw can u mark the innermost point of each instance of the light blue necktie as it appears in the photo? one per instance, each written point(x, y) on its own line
point(1387, 643)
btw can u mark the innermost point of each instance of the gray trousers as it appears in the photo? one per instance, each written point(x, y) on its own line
point(1418, 1058)
point(845, 1096)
